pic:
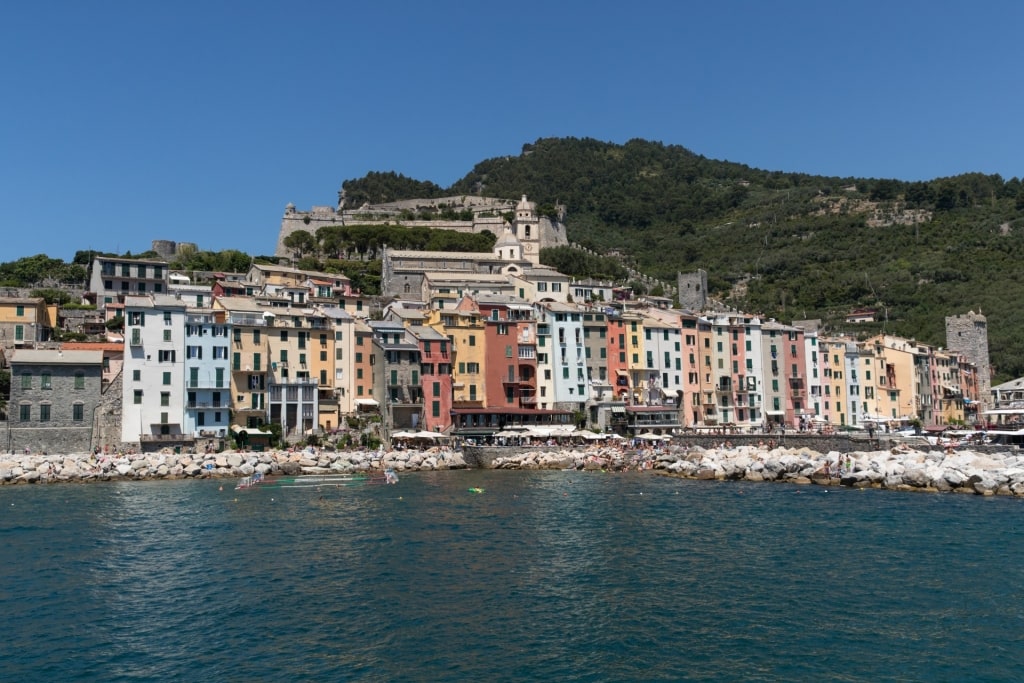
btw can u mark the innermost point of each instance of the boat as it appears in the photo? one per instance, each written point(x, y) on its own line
point(250, 481)
point(321, 480)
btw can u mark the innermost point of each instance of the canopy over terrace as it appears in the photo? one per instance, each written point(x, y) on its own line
point(485, 422)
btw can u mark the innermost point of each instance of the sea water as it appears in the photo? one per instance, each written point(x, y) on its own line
point(566, 576)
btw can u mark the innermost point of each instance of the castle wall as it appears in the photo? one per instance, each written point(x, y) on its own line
point(552, 233)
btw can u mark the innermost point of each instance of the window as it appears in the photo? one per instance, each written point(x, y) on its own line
point(78, 412)
point(167, 317)
point(165, 398)
point(79, 380)
point(472, 340)
point(137, 398)
point(44, 412)
point(26, 380)
point(25, 412)
point(167, 379)
point(44, 381)
point(167, 335)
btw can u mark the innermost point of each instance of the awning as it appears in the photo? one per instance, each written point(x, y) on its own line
point(775, 412)
point(622, 373)
point(618, 409)
point(669, 393)
point(251, 431)
point(366, 402)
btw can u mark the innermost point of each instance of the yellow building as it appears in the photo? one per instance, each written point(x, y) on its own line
point(891, 377)
point(295, 370)
point(250, 325)
point(636, 363)
point(464, 326)
point(25, 321)
point(832, 359)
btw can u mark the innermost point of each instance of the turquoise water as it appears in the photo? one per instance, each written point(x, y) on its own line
point(565, 576)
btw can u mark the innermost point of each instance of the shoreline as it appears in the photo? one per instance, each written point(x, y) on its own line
point(902, 469)
point(51, 469)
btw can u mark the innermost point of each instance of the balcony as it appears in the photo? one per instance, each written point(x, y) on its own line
point(207, 384)
point(166, 438)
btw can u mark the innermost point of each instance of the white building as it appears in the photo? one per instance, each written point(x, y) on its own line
point(153, 391)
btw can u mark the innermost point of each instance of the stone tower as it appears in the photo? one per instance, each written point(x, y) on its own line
point(693, 290)
point(968, 335)
point(527, 228)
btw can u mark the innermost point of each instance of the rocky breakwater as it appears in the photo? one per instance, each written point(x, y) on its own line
point(902, 469)
point(30, 469)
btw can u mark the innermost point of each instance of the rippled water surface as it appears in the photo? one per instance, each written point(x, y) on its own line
point(565, 576)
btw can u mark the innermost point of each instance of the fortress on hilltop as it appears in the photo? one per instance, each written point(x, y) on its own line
point(535, 232)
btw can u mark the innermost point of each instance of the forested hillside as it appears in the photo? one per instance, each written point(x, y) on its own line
point(790, 245)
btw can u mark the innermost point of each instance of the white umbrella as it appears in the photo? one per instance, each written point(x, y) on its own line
point(402, 435)
point(426, 435)
point(650, 436)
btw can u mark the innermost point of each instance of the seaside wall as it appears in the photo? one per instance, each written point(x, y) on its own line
point(484, 456)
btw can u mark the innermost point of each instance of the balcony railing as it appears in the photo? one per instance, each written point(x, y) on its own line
point(166, 437)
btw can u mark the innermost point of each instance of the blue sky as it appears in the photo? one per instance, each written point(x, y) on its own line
point(125, 122)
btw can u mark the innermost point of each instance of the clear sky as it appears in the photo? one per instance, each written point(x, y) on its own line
point(122, 122)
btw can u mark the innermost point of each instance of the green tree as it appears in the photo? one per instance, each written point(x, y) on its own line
point(301, 243)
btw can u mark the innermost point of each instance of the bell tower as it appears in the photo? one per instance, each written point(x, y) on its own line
point(527, 228)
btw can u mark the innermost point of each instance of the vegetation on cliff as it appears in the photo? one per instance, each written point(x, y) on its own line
point(790, 245)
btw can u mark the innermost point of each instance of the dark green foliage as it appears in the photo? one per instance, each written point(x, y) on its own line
point(52, 296)
point(380, 188)
point(32, 270)
point(366, 241)
point(227, 261)
point(580, 264)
